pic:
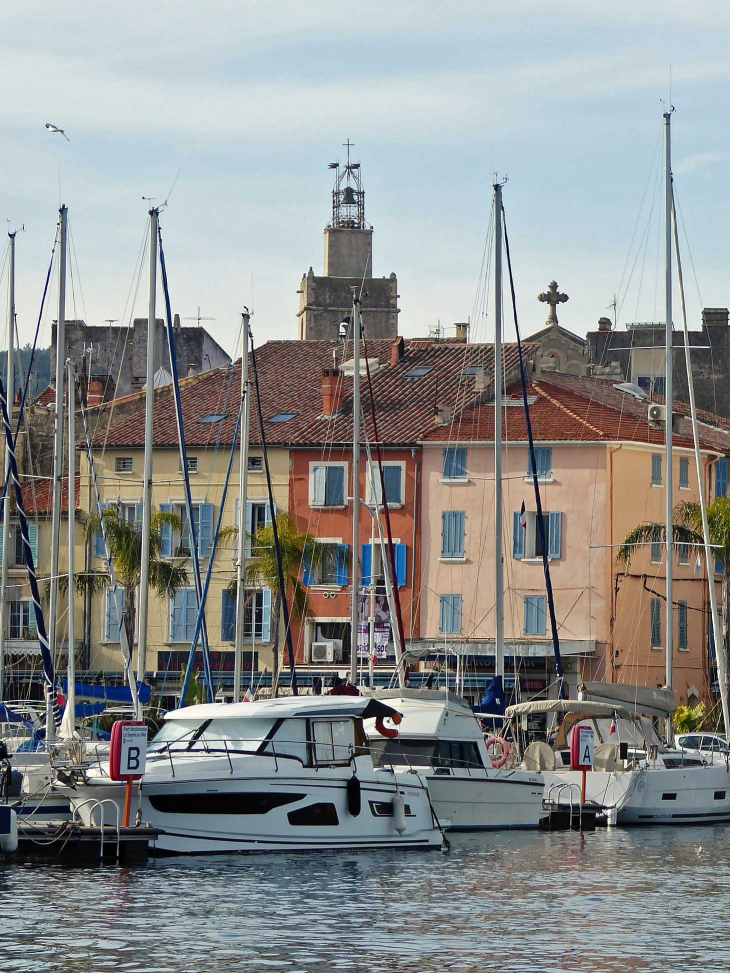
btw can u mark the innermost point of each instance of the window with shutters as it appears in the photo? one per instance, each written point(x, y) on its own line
point(332, 566)
point(656, 469)
point(113, 609)
point(16, 548)
point(455, 463)
point(394, 477)
point(192, 464)
point(372, 564)
point(183, 614)
point(656, 552)
point(543, 461)
point(256, 618)
point(124, 464)
point(527, 539)
point(721, 478)
point(535, 615)
point(684, 472)
point(656, 623)
point(327, 484)
point(682, 623)
point(453, 530)
point(21, 621)
point(177, 543)
point(450, 620)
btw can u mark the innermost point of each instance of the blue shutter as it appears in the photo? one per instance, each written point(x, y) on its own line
point(656, 469)
point(656, 622)
point(342, 556)
point(319, 484)
point(249, 525)
point(684, 472)
point(453, 524)
point(518, 537)
point(555, 534)
point(191, 615)
point(541, 614)
point(33, 538)
point(445, 623)
point(138, 508)
point(334, 491)
point(267, 514)
point(32, 622)
point(682, 620)
point(656, 552)
point(99, 550)
point(719, 566)
point(530, 621)
point(543, 461)
point(366, 565)
point(114, 609)
point(266, 615)
point(400, 564)
point(166, 532)
point(307, 572)
point(721, 478)
point(683, 553)
point(179, 605)
point(205, 529)
point(535, 614)
point(228, 616)
point(393, 477)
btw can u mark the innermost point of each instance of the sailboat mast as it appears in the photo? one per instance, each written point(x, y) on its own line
point(149, 405)
point(58, 443)
point(71, 665)
point(498, 556)
point(242, 499)
point(356, 329)
point(668, 398)
point(9, 385)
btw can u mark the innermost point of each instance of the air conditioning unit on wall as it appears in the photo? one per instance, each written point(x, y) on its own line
point(657, 414)
point(323, 652)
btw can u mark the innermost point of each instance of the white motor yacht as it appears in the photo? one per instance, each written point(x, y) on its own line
point(285, 774)
point(635, 777)
point(440, 740)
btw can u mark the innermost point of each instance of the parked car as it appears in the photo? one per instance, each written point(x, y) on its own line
point(704, 742)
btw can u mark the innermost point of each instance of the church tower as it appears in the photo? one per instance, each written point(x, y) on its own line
point(324, 302)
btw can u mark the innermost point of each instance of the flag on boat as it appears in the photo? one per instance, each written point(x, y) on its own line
point(523, 516)
point(248, 696)
point(613, 724)
point(698, 565)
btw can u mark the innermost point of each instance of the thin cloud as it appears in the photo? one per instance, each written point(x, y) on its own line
point(692, 162)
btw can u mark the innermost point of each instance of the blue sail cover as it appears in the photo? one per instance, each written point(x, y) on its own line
point(109, 694)
point(8, 715)
point(493, 701)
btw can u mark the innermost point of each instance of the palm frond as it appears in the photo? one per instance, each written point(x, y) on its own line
point(653, 533)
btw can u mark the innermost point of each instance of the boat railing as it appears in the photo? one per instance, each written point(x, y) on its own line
point(99, 805)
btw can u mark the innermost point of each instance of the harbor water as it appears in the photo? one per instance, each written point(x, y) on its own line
point(654, 899)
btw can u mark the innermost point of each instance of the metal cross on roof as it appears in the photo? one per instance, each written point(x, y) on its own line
point(552, 298)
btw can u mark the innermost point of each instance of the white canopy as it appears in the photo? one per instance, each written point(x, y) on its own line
point(640, 699)
point(566, 706)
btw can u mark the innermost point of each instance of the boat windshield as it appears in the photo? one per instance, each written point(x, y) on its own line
point(242, 734)
point(402, 751)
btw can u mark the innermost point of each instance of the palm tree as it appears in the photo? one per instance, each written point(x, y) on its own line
point(125, 543)
point(687, 529)
point(298, 548)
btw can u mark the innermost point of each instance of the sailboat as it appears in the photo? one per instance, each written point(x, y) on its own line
point(637, 778)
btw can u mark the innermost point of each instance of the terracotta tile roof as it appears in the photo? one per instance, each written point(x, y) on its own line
point(38, 500)
point(290, 382)
point(572, 408)
point(46, 397)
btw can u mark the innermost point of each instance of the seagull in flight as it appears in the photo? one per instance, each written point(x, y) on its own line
point(55, 130)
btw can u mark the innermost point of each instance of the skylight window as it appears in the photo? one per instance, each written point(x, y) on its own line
point(473, 369)
point(419, 371)
point(284, 417)
point(216, 417)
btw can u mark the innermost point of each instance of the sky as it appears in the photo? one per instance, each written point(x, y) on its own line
point(249, 101)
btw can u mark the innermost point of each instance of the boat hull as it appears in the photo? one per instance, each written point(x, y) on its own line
point(256, 814)
point(487, 803)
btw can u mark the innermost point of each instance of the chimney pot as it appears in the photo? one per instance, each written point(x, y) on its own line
point(462, 331)
point(332, 391)
point(714, 317)
point(397, 350)
point(192, 370)
point(96, 392)
point(176, 322)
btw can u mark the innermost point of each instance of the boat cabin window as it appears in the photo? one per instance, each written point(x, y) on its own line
point(174, 731)
point(242, 734)
point(403, 751)
point(333, 741)
point(288, 740)
point(458, 754)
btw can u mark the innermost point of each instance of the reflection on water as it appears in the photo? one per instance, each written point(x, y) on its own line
point(623, 900)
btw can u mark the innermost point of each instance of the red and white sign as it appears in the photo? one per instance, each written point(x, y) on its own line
point(582, 748)
point(128, 752)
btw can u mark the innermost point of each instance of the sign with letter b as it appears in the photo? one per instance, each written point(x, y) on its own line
point(582, 744)
point(128, 752)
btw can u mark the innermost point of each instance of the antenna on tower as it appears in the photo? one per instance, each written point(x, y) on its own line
point(198, 317)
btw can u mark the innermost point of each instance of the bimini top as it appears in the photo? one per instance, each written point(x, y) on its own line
point(641, 699)
point(586, 707)
point(286, 707)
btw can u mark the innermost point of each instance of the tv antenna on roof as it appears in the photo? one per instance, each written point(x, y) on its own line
point(198, 318)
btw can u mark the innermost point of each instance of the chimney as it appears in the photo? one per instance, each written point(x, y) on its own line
point(605, 324)
point(481, 380)
point(176, 322)
point(397, 350)
point(18, 399)
point(714, 317)
point(462, 331)
point(332, 391)
point(96, 393)
point(442, 415)
point(192, 370)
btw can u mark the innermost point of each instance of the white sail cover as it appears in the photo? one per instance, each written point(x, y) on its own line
point(566, 706)
point(640, 699)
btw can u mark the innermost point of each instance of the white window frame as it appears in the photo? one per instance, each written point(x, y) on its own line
point(255, 469)
point(330, 542)
point(180, 508)
point(372, 484)
point(541, 478)
point(19, 601)
point(123, 459)
point(194, 468)
point(327, 463)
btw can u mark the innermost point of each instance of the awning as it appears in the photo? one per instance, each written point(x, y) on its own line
point(566, 706)
point(640, 699)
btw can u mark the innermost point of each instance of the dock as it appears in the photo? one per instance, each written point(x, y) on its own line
point(71, 843)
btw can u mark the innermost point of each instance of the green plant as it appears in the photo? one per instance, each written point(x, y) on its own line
point(687, 719)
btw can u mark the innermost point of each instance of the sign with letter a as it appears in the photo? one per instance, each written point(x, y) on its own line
point(582, 746)
point(128, 752)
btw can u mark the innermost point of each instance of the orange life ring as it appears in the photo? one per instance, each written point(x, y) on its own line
point(505, 751)
point(385, 731)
